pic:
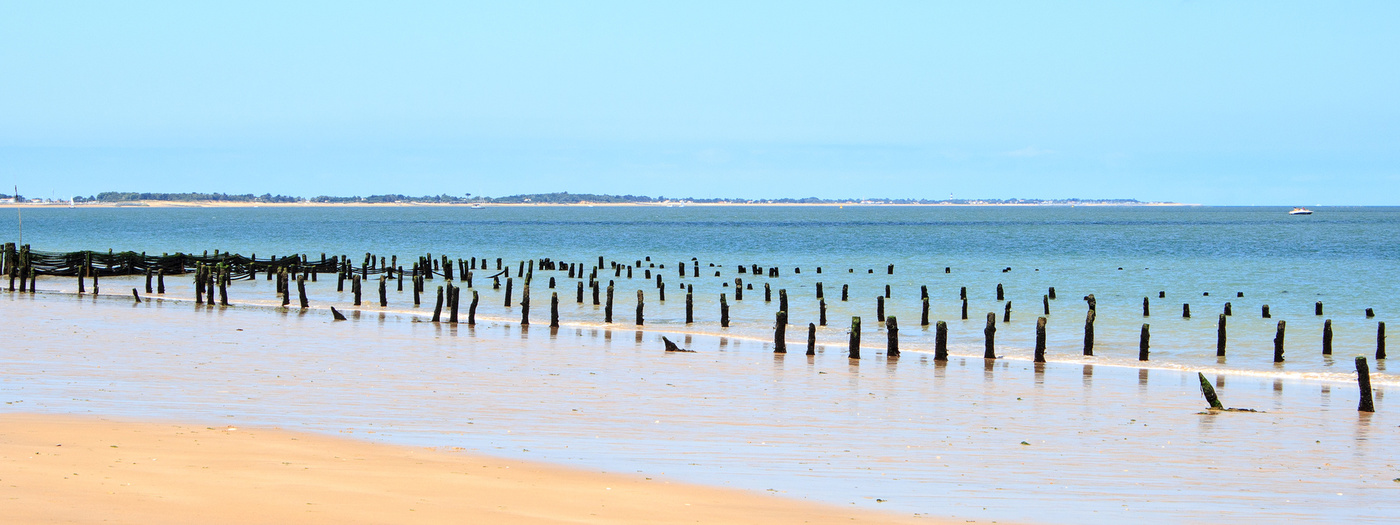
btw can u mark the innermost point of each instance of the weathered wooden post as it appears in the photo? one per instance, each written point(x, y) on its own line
point(820, 293)
point(879, 309)
point(767, 293)
point(1380, 340)
point(1266, 311)
point(608, 308)
point(1045, 301)
point(1227, 309)
point(690, 305)
point(1209, 391)
point(554, 310)
point(723, 312)
point(509, 284)
point(1317, 308)
point(845, 292)
point(738, 289)
point(1143, 343)
point(940, 344)
point(1370, 312)
point(923, 316)
point(892, 336)
point(1001, 294)
point(595, 286)
point(149, 275)
point(1327, 337)
point(383, 292)
point(1363, 380)
point(887, 291)
point(964, 308)
point(1089, 333)
point(339, 280)
point(1051, 295)
point(1278, 342)
point(1093, 303)
point(417, 287)
point(1145, 311)
point(400, 278)
point(853, 344)
point(639, 307)
point(1040, 340)
point(525, 304)
point(198, 285)
point(1007, 317)
point(990, 334)
point(355, 288)
point(1185, 310)
point(301, 292)
point(437, 308)
point(579, 292)
point(471, 310)
point(780, 333)
point(454, 301)
point(821, 311)
point(160, 281)
point(283, 277)
point(1220, 337)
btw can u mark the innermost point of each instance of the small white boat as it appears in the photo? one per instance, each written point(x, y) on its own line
point(1300, 211)
point(477, 206)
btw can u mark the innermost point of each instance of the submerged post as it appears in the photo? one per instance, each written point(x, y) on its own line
point(1278, 342)
point(1327, 337)
point(1089, 333)
point(1220, 337)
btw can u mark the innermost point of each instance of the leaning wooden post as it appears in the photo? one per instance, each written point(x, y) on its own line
point(1040, 340)
point(892, 336)
point(301, 292)
point(990, 333)
point(1278, 342)
point(723, 312)
point(1380, 341)
point(1220, 337)
point(1143, 343)
point(525, 304)
point(471, 309)
point(554, 310)
point(1327, 337)
point(1089, 333)
point(437, 309)
point(608, 308)
point(640, 304)
point(940, 342)
point(1209, 391)
point(853, 345)
point(1363, 380)
point(811, 339)
point(780, 333)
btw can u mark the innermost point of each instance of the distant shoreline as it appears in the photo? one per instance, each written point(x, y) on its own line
point(225, 204)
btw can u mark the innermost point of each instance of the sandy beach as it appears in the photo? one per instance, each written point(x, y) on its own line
point(68, 469)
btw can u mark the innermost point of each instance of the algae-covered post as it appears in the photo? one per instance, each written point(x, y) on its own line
point(1040, 340)
point(1327, 337)
point(940, 341)
point(1143, 343)
point(437, 308)
point(780, 333)
point(892, 336)
point(1278, 342)
point(811, 339)
point(471, 310)
point(1209, 391)
point(1089, 333)
point(1220, 337)
point(990, 334)
point(723, 312)
point(1363, 381)
point(853, 344)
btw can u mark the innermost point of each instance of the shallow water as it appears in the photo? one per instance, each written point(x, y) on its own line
point(1004, 440)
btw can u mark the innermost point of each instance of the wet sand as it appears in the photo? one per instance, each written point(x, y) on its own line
point(65, 469)
point(995, 440)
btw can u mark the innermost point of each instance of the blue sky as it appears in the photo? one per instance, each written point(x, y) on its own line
point(1205, 102)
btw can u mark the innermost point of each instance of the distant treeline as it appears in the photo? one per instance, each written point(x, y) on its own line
point(553, 198)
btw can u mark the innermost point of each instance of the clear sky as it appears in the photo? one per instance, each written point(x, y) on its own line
point(1213, 102)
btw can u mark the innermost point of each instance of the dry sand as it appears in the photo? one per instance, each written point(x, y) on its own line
point(66, 469)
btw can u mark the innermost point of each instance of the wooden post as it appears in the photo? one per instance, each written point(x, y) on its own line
point(1093, 303)
point(780, 333)
point(339, 281)
point(1380, 341)
point(738, 289)
point(689, 306)
point(1143, 343)
point(767, 293)
point(301, 291)
point(1370, 312)
point(509, 284)
point(580, 292)
point(454, 301)
point(990, 334)
point(1089, 333)
point(400, 277)
point(940, 344)
point(1266, 311)
point(845, 292)
point(355, 288)
point(554, 310)
point(821, 309)
point(417, 286)
point(1278, 342)
point(1001, 294)
point(811, 339)
point(853, 345)
point(1007, 317)
point(1327, 337)
point(1145, 311)
point(887, 291)
point(149, 288)
point(525, 304)
point(471, 310)
point(820, 294)
point(608, 309)
point(1228, 310)
point(136, 295)
point(1220, 337)
point(723, 312)
point(1185, 310)
point(1051, 295)
point(782, 299)
point(892, 336)
point(1209, 391)
point(879, 308)
point(890, 271)
point(198, 284)
point(1045, 300)
point(1040, 340)
point(639, 308)
point(594, 285)
point(923, 316)
point(383, 292)
point(437, 308)
point(1317, 308)
point(160, 281)
point(1363, 380)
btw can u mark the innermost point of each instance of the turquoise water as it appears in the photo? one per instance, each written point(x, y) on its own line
point(1202, 256)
